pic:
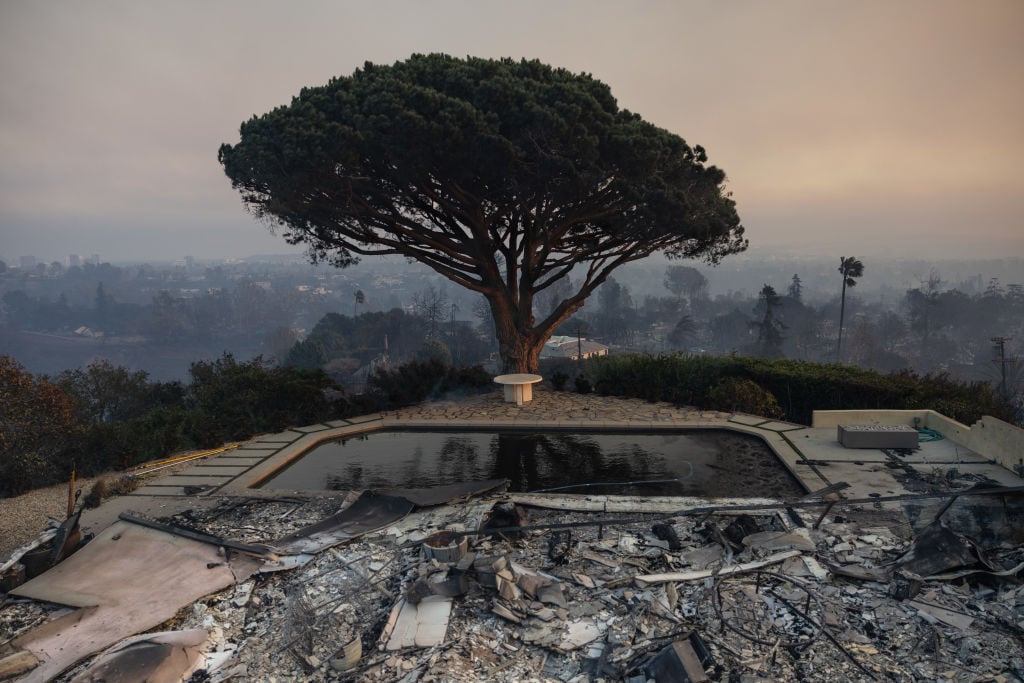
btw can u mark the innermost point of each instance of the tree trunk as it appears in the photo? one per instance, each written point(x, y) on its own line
point(842, 313)
point(519, 350)
point(519, 341)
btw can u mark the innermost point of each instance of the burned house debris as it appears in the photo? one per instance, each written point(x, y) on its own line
point(473, 583)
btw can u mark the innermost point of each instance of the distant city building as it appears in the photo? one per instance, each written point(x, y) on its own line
point(73, 260)
point(94, 259)
point(27, 262)
point(572, 348)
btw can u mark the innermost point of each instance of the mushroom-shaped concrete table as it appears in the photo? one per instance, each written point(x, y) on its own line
point(518, 387)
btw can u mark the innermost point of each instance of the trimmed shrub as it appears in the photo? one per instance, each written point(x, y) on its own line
point(798, 387)
point(743, 396)
point(419, 380)
point(558, 380)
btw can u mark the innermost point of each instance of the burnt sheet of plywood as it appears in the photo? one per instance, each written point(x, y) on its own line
point(129, 579)
point(371, 511)
point(166, 657)
point(938, 549)
point(449, 493)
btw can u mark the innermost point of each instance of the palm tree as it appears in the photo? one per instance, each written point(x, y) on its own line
point(851, 268)
point(360, 299)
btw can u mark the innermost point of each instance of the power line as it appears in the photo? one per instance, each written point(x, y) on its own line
point(1002, 360)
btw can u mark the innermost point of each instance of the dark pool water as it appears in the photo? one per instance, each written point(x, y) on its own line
point(712, 463)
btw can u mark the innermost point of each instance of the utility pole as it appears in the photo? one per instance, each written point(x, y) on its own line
point(1001, 359)
point(451, 334)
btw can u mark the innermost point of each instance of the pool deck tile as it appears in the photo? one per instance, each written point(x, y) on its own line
point(281, 437)
point(780, 426)
point(247, 452)
point(159, 491)
point(240, 461)
point(188, 480)
point(311, 428)
point(215, 470)
point(750, 420)
point(365, 418)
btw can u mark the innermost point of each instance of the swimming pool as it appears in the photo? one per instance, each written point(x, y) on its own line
point(701, 463)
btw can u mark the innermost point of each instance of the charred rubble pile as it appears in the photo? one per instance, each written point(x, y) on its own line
point(470, 586)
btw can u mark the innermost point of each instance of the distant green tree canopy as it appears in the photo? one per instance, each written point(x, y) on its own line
point(500, 175)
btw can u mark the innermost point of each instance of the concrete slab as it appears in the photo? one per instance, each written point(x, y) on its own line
point(780, 426)
point(999, 474)
point(815, 447)
point(284, 437)
point(251, 452)
point(942, 451)
point(159, 491)
point(145, 504)
point(213, 470)
point(311, 429)
point(244, 461)
point(747, 419)
point(869, 480)
point(364, 418)
point(182, 480)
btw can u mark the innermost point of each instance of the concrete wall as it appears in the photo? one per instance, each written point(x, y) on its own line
point(990, 438)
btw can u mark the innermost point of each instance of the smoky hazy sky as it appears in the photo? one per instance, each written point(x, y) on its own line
point(876, 127)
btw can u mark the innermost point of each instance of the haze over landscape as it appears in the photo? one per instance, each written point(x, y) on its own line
point(495, 204)
point(871, 128)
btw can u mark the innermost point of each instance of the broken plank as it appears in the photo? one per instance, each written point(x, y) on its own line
point(600, 559)
point(17, 664)
point(563, 502)
point(18, 553)
point(421, 625)
point(943, 614)
point(650, 579)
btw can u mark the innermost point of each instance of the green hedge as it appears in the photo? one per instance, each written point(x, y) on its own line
point(798, 387)
point(226, 400)
point(422, 379)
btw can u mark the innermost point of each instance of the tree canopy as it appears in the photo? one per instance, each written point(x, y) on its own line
point(37, 422)
point(501, 175)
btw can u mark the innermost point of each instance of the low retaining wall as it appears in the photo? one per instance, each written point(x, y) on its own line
point(989, 437)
